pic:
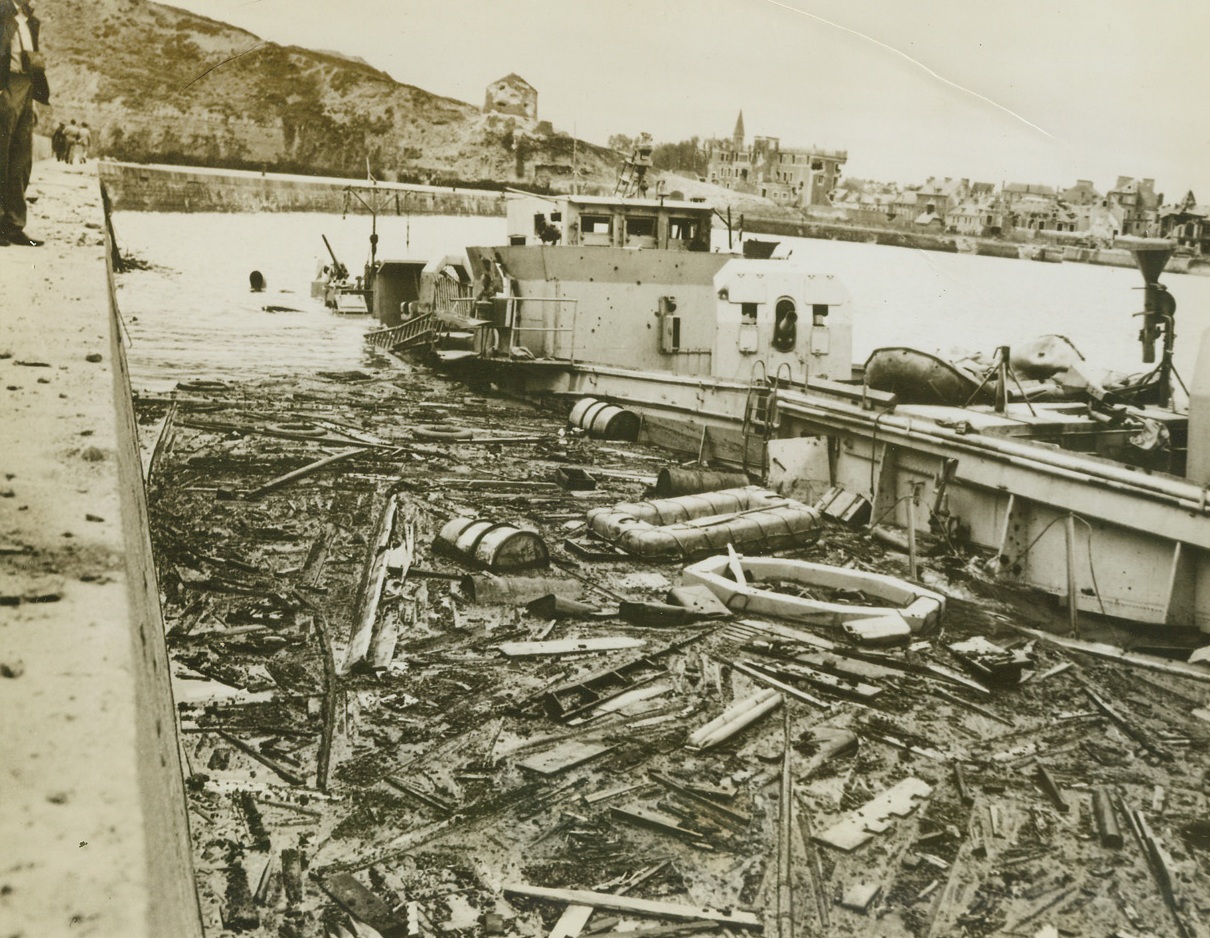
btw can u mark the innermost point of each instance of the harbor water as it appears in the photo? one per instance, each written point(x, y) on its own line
point(192, 315)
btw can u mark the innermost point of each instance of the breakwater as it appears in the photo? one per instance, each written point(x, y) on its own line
point(1038, 249)
point(858, 234)
point(153, 188)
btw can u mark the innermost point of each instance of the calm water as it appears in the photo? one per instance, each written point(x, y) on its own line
point(192, 316)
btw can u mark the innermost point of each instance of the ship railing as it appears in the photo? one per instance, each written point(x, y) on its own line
point(554, 315)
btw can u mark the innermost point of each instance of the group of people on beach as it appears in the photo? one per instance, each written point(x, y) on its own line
point(69, 143)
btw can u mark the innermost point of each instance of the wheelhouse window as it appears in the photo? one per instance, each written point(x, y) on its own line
point(693, 233)
point(640, 230)
point(596, 229)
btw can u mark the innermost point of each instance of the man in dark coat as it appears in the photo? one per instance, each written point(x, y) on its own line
point(22, 82)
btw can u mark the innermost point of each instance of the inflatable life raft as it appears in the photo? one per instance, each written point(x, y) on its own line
point(695, 525)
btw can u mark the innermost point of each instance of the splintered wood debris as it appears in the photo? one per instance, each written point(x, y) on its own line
point(376, 744)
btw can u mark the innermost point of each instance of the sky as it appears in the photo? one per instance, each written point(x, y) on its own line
point(996, 91)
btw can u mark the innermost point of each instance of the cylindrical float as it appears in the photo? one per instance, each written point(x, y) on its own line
point(604, 421)
point(492, 544)
point(516, 590)
point(677, 481)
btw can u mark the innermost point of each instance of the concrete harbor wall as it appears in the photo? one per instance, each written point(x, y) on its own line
point(153, 188)
point(94, 820)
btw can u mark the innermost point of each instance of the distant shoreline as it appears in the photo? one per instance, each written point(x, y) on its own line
point(165, 188)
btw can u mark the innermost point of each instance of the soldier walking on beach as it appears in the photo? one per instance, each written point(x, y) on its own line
point(22, 82)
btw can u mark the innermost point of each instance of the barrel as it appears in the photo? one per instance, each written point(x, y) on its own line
point(491, 590)
point(604, 421)
point(677, 481)
point(493, 544)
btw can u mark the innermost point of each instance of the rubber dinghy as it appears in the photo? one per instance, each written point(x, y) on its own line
point(920, 608)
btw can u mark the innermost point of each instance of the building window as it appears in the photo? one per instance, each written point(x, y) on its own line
point(785, 325)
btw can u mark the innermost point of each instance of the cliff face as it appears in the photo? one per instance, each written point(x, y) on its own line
point(161, 84)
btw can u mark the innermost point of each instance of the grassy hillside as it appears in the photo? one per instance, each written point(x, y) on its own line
point(161, 84)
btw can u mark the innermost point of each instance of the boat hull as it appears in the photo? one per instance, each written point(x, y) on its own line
point(1141, 548)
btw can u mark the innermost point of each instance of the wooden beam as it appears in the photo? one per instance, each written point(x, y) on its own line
point(1114, 653)
point(371, 590)
point(605, 900)
point(306, 470)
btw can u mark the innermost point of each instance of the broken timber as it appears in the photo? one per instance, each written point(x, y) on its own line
point(603, 900)
point(371, 590)
point(1114, 653)
point(568, 646)
point(363, 905)
point(874, 817)
point(305, 471)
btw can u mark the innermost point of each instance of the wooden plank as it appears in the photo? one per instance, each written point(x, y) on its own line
point(371, 589)
point(875, 816)
point(1114, 653)
point(363, 905)
point(820, 679)
point(662, 931)
point(572, 921)
point(779, 685)
point(603, 900)
point(568, 646)
point(564, 757)
point(852, 668)
point(653, 819)
point(303, 472)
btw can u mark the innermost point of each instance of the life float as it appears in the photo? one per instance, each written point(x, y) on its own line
point(296, 430)
point(693, 525)
point(202, 385)
point(918, 607)
point(430, 431)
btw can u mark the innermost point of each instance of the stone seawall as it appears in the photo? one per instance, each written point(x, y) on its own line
point(93, 817)
point(153, 188)
point(925, 241)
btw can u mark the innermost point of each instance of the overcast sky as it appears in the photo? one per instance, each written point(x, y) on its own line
point(994, 90)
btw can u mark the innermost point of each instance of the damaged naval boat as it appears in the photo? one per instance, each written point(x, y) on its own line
point(1090, 489)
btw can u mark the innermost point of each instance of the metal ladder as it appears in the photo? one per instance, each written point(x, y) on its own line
point(760, 411)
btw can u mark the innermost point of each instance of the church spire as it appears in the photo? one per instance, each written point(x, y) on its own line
point(738, 135)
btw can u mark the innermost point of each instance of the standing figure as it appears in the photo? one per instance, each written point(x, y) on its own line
point(22, 82)
point(85, 141)
point(58, 142)
point(71, 140)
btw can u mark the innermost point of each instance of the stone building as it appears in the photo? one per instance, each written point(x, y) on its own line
point(1188, 223)
point(512, 95)
point(1082, 193)
point(793, 177)
point(1136, 205)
